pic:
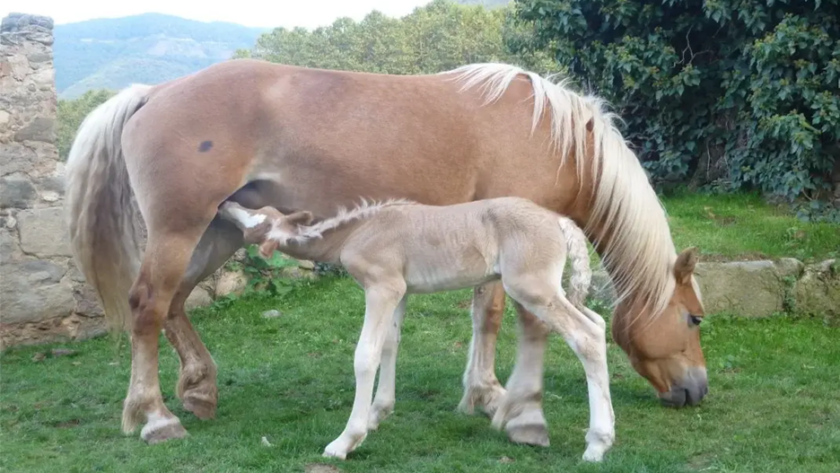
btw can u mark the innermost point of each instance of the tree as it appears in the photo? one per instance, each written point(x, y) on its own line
point(439, 36)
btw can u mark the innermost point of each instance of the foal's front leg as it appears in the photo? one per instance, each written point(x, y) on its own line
point(380, 303)
point(385, 398)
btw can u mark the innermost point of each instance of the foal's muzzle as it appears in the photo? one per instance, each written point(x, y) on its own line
point(689, 391)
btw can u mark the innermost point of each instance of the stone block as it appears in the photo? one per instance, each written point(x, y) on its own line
point(817, 292)
point(14, 157)
point(233, 282)
point(39, 129)
point(9, 248)
point(745, 288)
point(17, 191)
point(44, 232)
point(198, 298)
point(38, 57)
point(33, 290)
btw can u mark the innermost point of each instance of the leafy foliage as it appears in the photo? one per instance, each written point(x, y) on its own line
point(71, 113)
point(439, 36)
point(731, 93)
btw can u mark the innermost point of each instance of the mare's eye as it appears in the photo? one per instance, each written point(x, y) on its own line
point(695, 320)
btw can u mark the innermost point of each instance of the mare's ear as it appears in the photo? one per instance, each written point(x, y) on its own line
point(303, 217)
point(268, 247)
point(684, 266)
point(590, 125)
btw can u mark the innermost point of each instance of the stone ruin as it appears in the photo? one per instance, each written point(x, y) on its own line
point(43, 296)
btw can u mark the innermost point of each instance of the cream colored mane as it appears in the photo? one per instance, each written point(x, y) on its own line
point(343, 217)
point(641, 253)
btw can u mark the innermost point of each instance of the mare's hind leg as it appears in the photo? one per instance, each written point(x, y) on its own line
point(197, 377)
point(164, 263)
point(587, 338)
point(480, 383)
point(520, 411)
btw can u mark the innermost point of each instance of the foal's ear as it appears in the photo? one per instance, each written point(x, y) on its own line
point(590, 125)
point(303, 217)
point(684, 266)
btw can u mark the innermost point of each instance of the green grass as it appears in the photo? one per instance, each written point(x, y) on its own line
point(743, 226)
point(773, 405)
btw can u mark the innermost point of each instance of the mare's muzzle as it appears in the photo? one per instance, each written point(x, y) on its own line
point(689, 391)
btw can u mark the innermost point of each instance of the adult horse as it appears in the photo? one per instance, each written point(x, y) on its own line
point(296, 138)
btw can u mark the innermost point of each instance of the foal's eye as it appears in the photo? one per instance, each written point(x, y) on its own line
point(695, 320)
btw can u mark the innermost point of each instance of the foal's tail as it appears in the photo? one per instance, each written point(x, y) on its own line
point(103, 221)
point(581, 274)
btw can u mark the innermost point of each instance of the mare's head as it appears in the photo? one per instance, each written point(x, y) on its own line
point(665, 347)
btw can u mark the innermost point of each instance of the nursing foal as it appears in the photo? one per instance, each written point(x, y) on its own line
point(396, 248)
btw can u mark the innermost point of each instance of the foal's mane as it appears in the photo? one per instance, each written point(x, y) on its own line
point(345, 217)
point(640, 252)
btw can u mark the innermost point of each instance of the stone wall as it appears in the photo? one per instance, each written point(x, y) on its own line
point(42, 294)
point(759, 288)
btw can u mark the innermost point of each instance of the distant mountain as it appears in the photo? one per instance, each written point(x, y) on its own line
point(149, 48)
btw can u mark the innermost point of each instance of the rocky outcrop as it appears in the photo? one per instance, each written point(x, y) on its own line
point(42, 295)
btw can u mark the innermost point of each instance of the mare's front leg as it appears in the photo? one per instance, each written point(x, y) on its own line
point(481, 386)
point(385, 398)
point(196, 386)
point(381, 301)
point(586, 335)
point(520, 411)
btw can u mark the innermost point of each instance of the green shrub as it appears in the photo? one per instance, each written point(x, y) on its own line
point(730, 93)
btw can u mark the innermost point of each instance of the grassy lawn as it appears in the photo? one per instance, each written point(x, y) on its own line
point(743, 226)
point(773, 405)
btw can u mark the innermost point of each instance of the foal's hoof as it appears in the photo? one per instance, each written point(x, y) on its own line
point(593, 454)
point(202, 405)
point(530, 434)
point(163, 430)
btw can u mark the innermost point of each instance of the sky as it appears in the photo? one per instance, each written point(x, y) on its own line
point(261, 13)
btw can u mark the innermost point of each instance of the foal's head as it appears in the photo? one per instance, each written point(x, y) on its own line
point(266, 226)
point(666, 349)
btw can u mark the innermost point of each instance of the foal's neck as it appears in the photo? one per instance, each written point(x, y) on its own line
point(324, 240)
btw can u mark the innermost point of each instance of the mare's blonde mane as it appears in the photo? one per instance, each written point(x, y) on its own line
point(640, 253)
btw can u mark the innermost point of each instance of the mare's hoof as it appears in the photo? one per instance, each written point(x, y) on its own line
point(202, 405)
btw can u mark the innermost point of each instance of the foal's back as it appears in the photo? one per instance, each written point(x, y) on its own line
point(438, 248)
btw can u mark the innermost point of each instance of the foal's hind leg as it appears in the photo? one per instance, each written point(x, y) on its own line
point(520, 410)
point(165, 260)
point(197, 377)
point(480, 383)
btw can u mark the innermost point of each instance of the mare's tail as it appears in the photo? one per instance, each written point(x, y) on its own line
point(581, 274)
point(103, 221)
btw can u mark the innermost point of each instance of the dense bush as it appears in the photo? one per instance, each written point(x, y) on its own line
point(732, 93)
